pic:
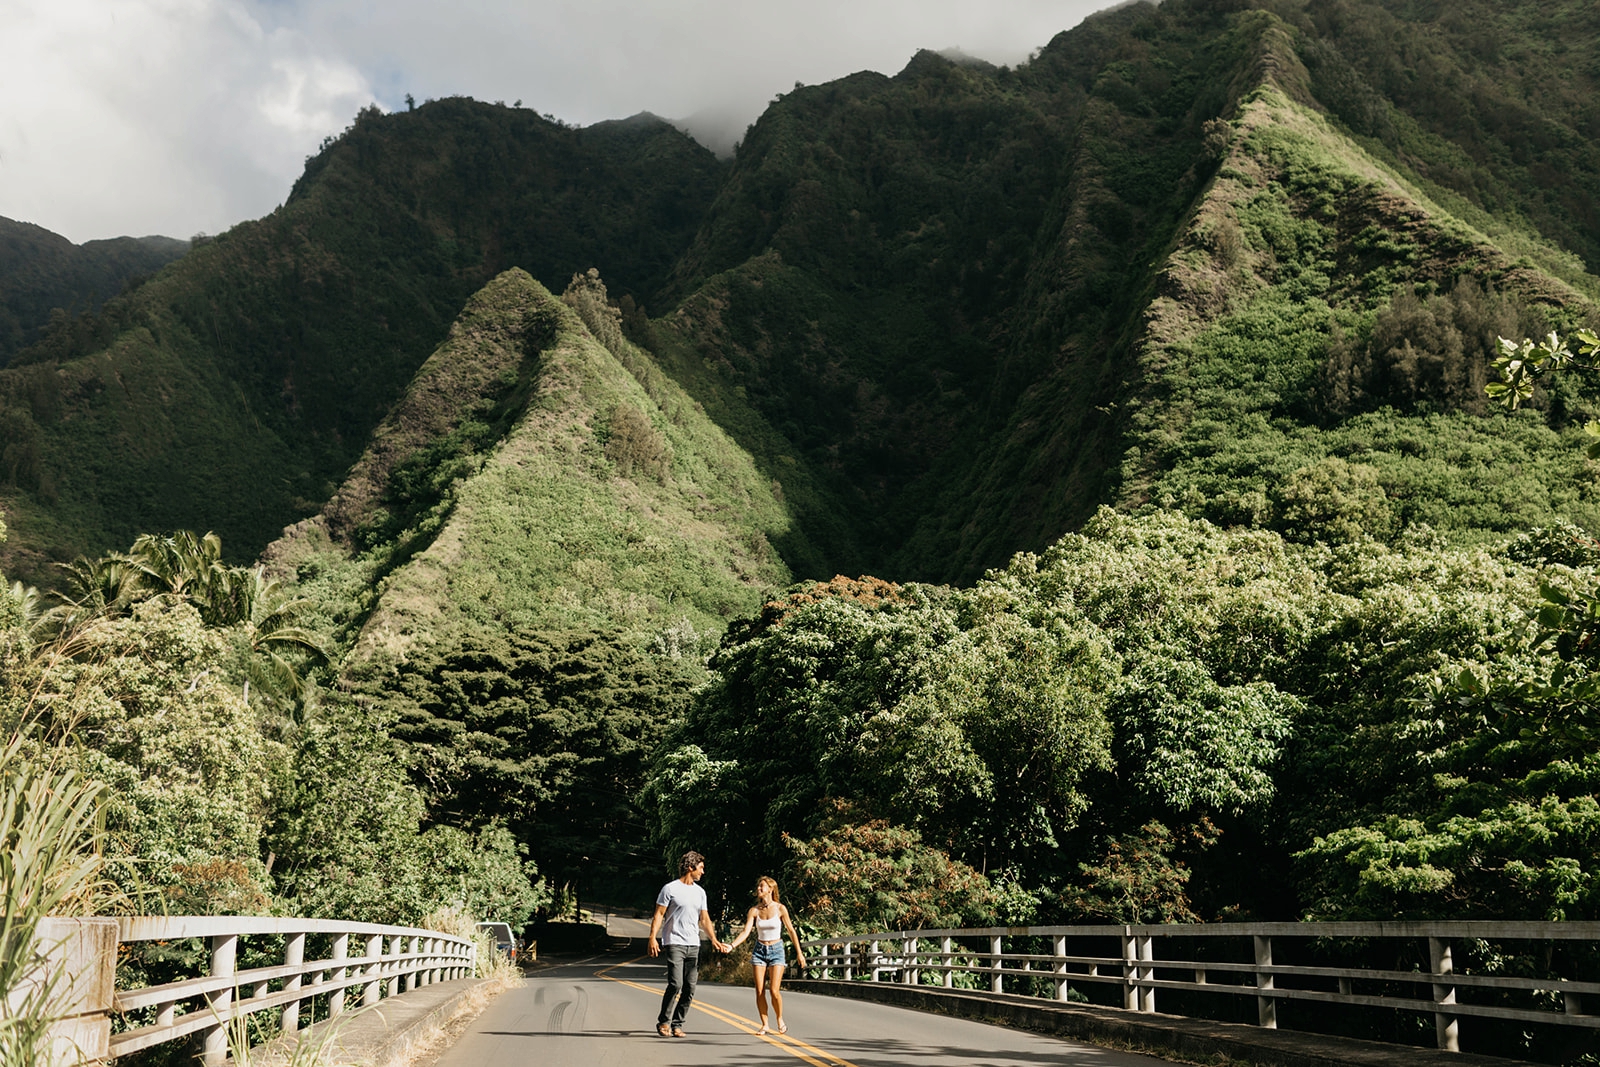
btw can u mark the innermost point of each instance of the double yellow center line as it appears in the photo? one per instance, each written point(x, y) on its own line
point(792, 1045)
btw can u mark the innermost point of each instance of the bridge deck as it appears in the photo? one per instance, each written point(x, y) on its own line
point(602, 1012)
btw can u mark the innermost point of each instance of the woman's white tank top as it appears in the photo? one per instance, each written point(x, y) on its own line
point(769, 929)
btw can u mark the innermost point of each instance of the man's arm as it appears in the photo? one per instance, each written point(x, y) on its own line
point(655, 928)
point(711, 931)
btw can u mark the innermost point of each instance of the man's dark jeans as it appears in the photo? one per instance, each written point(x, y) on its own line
point(683, 971)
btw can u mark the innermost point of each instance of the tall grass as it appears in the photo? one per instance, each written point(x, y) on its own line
point(51, 831)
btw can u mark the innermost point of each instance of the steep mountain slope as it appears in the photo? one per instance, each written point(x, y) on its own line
point(1316, 356)
point(971, 296)
point(42, 271)
point(528, 479)
point(531, 560)
point(1495, 104)
point(234, 390)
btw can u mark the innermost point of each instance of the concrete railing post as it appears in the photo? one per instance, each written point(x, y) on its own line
point(1147, 974)
point(997, 981)
point(392, 963)
point(1446, 1027)
point(1063, 987)
point(872, 959)
point(910, 974)
point(341, 950)
point(1130, 970)
point(80, 963)
point(946, 944)
point(224, 960)
point(371, 993)
point(1266, 1007)
point(294, 954)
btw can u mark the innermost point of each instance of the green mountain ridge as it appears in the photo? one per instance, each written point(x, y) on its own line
point(46, 280)
point(234, 390)
point(530, 479)
point(529, 564)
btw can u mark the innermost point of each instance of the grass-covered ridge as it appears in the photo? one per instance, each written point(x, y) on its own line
point(568, 522)
point(1318, 349)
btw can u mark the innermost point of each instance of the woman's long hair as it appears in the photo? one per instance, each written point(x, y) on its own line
point(768, 880)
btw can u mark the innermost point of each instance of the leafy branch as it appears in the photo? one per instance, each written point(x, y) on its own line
point(1521, 363)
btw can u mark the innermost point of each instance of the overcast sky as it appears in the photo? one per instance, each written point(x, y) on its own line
point(184, 116)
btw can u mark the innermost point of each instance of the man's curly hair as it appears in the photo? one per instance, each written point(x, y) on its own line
point(689, 862)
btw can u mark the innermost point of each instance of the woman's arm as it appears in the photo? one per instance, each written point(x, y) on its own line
point(749, 921)
point(799, 953)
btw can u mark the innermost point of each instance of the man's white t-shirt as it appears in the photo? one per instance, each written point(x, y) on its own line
point(684, 903)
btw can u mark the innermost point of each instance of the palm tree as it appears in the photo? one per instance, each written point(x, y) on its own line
point(263, 618)
point(23, 605)
point(268, 621)
point(191, 566)
point(105, 586)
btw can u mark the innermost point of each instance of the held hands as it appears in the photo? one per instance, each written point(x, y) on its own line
point(721, 946)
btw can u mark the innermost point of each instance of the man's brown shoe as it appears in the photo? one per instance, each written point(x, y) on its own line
point(661, 1028)
point(678, 1031)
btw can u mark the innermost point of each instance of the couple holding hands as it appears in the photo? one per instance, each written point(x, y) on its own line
point(675, 928)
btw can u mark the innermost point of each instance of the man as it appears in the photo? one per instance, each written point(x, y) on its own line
point(680, 908)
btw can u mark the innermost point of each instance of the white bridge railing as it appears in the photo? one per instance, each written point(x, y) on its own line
point(365, 963)
point(1191, 959)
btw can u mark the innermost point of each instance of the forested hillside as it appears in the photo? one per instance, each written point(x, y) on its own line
point(47, 282)
point(1143, 385)
point(235, 389)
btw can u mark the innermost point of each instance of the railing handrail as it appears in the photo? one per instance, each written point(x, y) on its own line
point(172, 927)
point(900, 953)
point(1516, 930)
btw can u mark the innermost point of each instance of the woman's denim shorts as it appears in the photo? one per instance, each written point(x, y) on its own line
point(768, 955)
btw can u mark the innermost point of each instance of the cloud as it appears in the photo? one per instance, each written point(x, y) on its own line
point(179, 116)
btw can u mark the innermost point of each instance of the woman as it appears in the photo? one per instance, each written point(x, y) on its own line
point(768, 919)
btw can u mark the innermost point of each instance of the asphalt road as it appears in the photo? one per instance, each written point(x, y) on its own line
point(602, 1013)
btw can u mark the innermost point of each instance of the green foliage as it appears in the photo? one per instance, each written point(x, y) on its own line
point(547, 732)
point(209, 782)
point(1191, 744)
point(350, 836)
point(1138, 881)
point(1423, 351)
point(1159, 720)
point(857, 877)
point(1519, 364)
